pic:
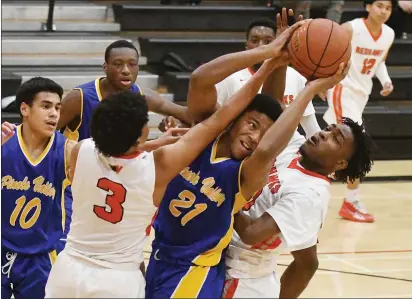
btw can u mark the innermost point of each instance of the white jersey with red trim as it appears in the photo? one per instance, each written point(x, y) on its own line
point(295, 82)
point(297, 199)
point(112, 207)
point(367, 53)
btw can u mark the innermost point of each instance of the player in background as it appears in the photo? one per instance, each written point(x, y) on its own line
point(113, 205)
point(33, 193)
point(371, 41)
point(262, 32)
point(121, 67)
point(289, 211)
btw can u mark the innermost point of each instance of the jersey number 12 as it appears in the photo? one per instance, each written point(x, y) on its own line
point(113, 200)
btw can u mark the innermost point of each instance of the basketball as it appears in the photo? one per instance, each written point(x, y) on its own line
point(318, 48)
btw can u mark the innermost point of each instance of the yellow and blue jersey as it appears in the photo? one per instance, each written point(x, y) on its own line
point(90, 98)
point(33, 195)
point(194, 223)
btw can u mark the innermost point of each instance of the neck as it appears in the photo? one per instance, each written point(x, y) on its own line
point(32, 141)
point(223, 146)
point(307, 164)
point(107, 88)
point(373, 26)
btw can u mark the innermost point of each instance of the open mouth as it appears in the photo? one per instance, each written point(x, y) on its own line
point(51, 123)
point(126, 82)
point(246, 146)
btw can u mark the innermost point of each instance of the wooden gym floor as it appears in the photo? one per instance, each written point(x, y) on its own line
point(371, 260)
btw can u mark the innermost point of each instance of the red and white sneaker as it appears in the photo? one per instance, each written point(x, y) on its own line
point(355, 212)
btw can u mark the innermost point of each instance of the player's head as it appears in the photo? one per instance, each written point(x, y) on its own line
point(39, 102)
point(344, 149)
point(248, 129)
point(260, 32)
point(121, 64)
point(119, 124)
point(379, 10)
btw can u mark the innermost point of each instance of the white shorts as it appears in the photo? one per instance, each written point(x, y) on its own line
point(72, 277)
point(261, 287)
point(345, 102)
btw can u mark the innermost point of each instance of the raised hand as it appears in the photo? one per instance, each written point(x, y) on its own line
point(323, 84)
point(7, 131)
point(282, 20)
point(279, 44)
point(167, 123)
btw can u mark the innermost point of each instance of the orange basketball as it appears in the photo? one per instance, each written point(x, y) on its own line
point(318, 48)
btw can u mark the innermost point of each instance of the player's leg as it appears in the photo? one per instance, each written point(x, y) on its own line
point(62, 281)
point(261, 287)
point(33, 274)
point(343, 102)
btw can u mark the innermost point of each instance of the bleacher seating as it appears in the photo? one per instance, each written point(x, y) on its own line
point(201, 33)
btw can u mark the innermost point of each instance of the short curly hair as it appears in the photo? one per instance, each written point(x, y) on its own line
point(361, 161)
point(118, 121)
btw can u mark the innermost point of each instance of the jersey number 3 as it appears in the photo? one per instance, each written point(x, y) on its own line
point(113, 200)
point(186, 201)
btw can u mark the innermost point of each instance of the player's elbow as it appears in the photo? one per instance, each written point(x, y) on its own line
point(196, 77)
point(247, 236)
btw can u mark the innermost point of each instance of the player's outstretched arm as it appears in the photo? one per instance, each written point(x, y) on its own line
point(298, 274)
point(171, 159)
point(156, 103)
point(256, 168)
point(202, 95)
point(71, 109)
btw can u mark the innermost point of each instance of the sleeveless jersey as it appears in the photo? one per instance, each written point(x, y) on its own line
point(32, 195)
point(111, 208)
point(90, 97)
point(297, 199)
point(367, 53)
point(194, 223)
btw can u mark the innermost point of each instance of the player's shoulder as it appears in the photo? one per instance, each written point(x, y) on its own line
point(388, 31)
point(87, 85)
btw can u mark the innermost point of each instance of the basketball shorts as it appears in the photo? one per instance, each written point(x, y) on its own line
point(165, 279)
point(24, 276)
point(73, 277)
point(261, 287)
point(345, 102)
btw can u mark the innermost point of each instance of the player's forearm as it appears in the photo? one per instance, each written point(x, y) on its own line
point(177, 111)
point(295, 279)
point(310, 125)
point(274, 85)
point(211, 73)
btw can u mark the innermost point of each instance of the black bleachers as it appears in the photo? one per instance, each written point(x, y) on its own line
point(178, 84)
point(206, 18)
point(9, 84)
point(196, 51)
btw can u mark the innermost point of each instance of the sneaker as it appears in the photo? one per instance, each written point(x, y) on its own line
point(355, 212)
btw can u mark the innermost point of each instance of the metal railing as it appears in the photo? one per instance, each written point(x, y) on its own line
point(49, 23)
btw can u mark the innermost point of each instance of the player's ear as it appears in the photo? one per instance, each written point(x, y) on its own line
point(368, 7)
point(24, 109)
point(105, 67)
point(341, 164)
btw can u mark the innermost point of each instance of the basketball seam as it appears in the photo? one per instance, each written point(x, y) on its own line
point(338, 58)
point(307, 43)
point(324, 50)
point(300, 61)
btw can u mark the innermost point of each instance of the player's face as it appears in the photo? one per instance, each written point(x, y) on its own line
point(380, 11)
point(259, 36)
point(44, 113)
point(331, 148)
point(122, 68)
point(247, 132)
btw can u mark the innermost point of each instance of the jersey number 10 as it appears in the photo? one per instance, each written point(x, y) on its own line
point(35, 204)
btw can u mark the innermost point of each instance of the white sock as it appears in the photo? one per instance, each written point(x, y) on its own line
point(353, 195)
